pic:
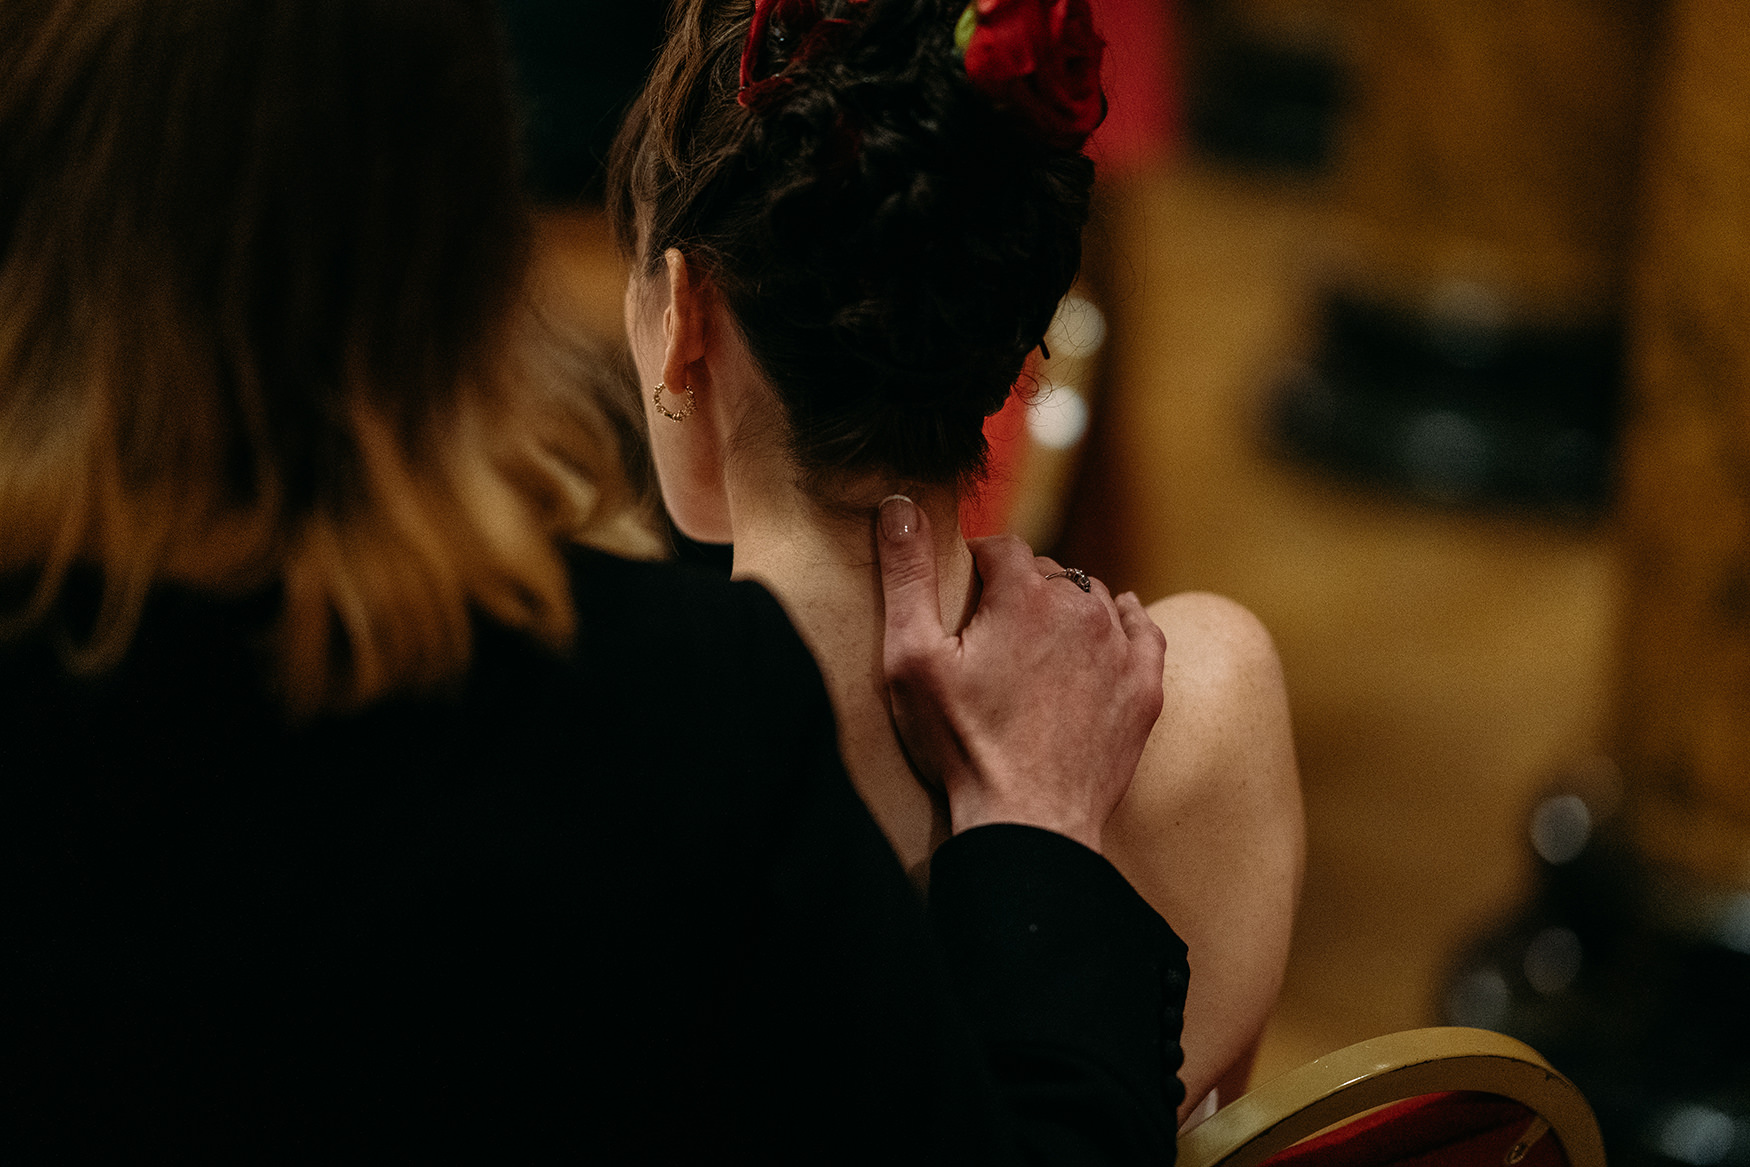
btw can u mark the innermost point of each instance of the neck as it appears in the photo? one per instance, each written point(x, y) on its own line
point(820, 563)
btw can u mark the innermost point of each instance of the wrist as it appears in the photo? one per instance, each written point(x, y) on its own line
point(969, 809)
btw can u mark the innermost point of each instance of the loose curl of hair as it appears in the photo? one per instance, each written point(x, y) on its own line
point(890, 244)
point(267, 324)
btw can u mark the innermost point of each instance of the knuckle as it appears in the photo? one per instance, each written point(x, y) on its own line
point(1005, 545)
point(1092, 621)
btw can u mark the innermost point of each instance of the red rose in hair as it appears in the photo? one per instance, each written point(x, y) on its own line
point(1041, 58)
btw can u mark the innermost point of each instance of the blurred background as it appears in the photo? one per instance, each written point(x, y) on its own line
point(1419, 327)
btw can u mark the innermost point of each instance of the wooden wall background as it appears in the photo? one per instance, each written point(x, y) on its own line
point(1684, 710)
point(1578, 158)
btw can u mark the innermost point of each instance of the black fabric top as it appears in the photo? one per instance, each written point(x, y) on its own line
point(624, 904)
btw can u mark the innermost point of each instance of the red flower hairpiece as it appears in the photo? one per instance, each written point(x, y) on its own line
point(1040, 58)
point(797, 29)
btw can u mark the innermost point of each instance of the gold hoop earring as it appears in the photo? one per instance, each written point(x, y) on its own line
point(686, 410)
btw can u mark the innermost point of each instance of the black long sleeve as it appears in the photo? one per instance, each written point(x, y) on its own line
point(1075, 985)
point(618, 905)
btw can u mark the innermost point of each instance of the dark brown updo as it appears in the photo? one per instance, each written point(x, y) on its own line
point(891, 243)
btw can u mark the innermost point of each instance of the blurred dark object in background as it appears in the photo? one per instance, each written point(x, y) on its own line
point(1457, 403)
point(578, 66)
point(1271, 105)
point(1477, 167)
point(1633, 984)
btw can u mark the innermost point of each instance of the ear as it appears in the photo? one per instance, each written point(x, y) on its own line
point(684, 324)
point(690, 456)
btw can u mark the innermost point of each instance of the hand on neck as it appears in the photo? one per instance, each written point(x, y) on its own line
point(818, 554)
point(819, 560)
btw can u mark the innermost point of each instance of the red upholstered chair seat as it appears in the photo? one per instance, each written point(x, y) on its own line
point(1454, 1129)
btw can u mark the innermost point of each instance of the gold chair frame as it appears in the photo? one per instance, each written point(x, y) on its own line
point(1358, 1078)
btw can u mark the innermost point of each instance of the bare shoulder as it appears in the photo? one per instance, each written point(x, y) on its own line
point(1225, 715)
point(1218, 653)
point(1212, 829)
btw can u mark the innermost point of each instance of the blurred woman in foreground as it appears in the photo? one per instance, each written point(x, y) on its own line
point(351, 806)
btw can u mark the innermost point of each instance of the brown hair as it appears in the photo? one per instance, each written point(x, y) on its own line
point(891, 243)
point(265, 318)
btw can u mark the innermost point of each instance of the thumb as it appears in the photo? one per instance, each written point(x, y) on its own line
point(908, 579)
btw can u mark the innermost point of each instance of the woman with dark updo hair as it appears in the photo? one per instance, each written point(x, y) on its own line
point(850, 221)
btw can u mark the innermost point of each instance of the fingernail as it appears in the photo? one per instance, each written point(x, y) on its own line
point(899, 516)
